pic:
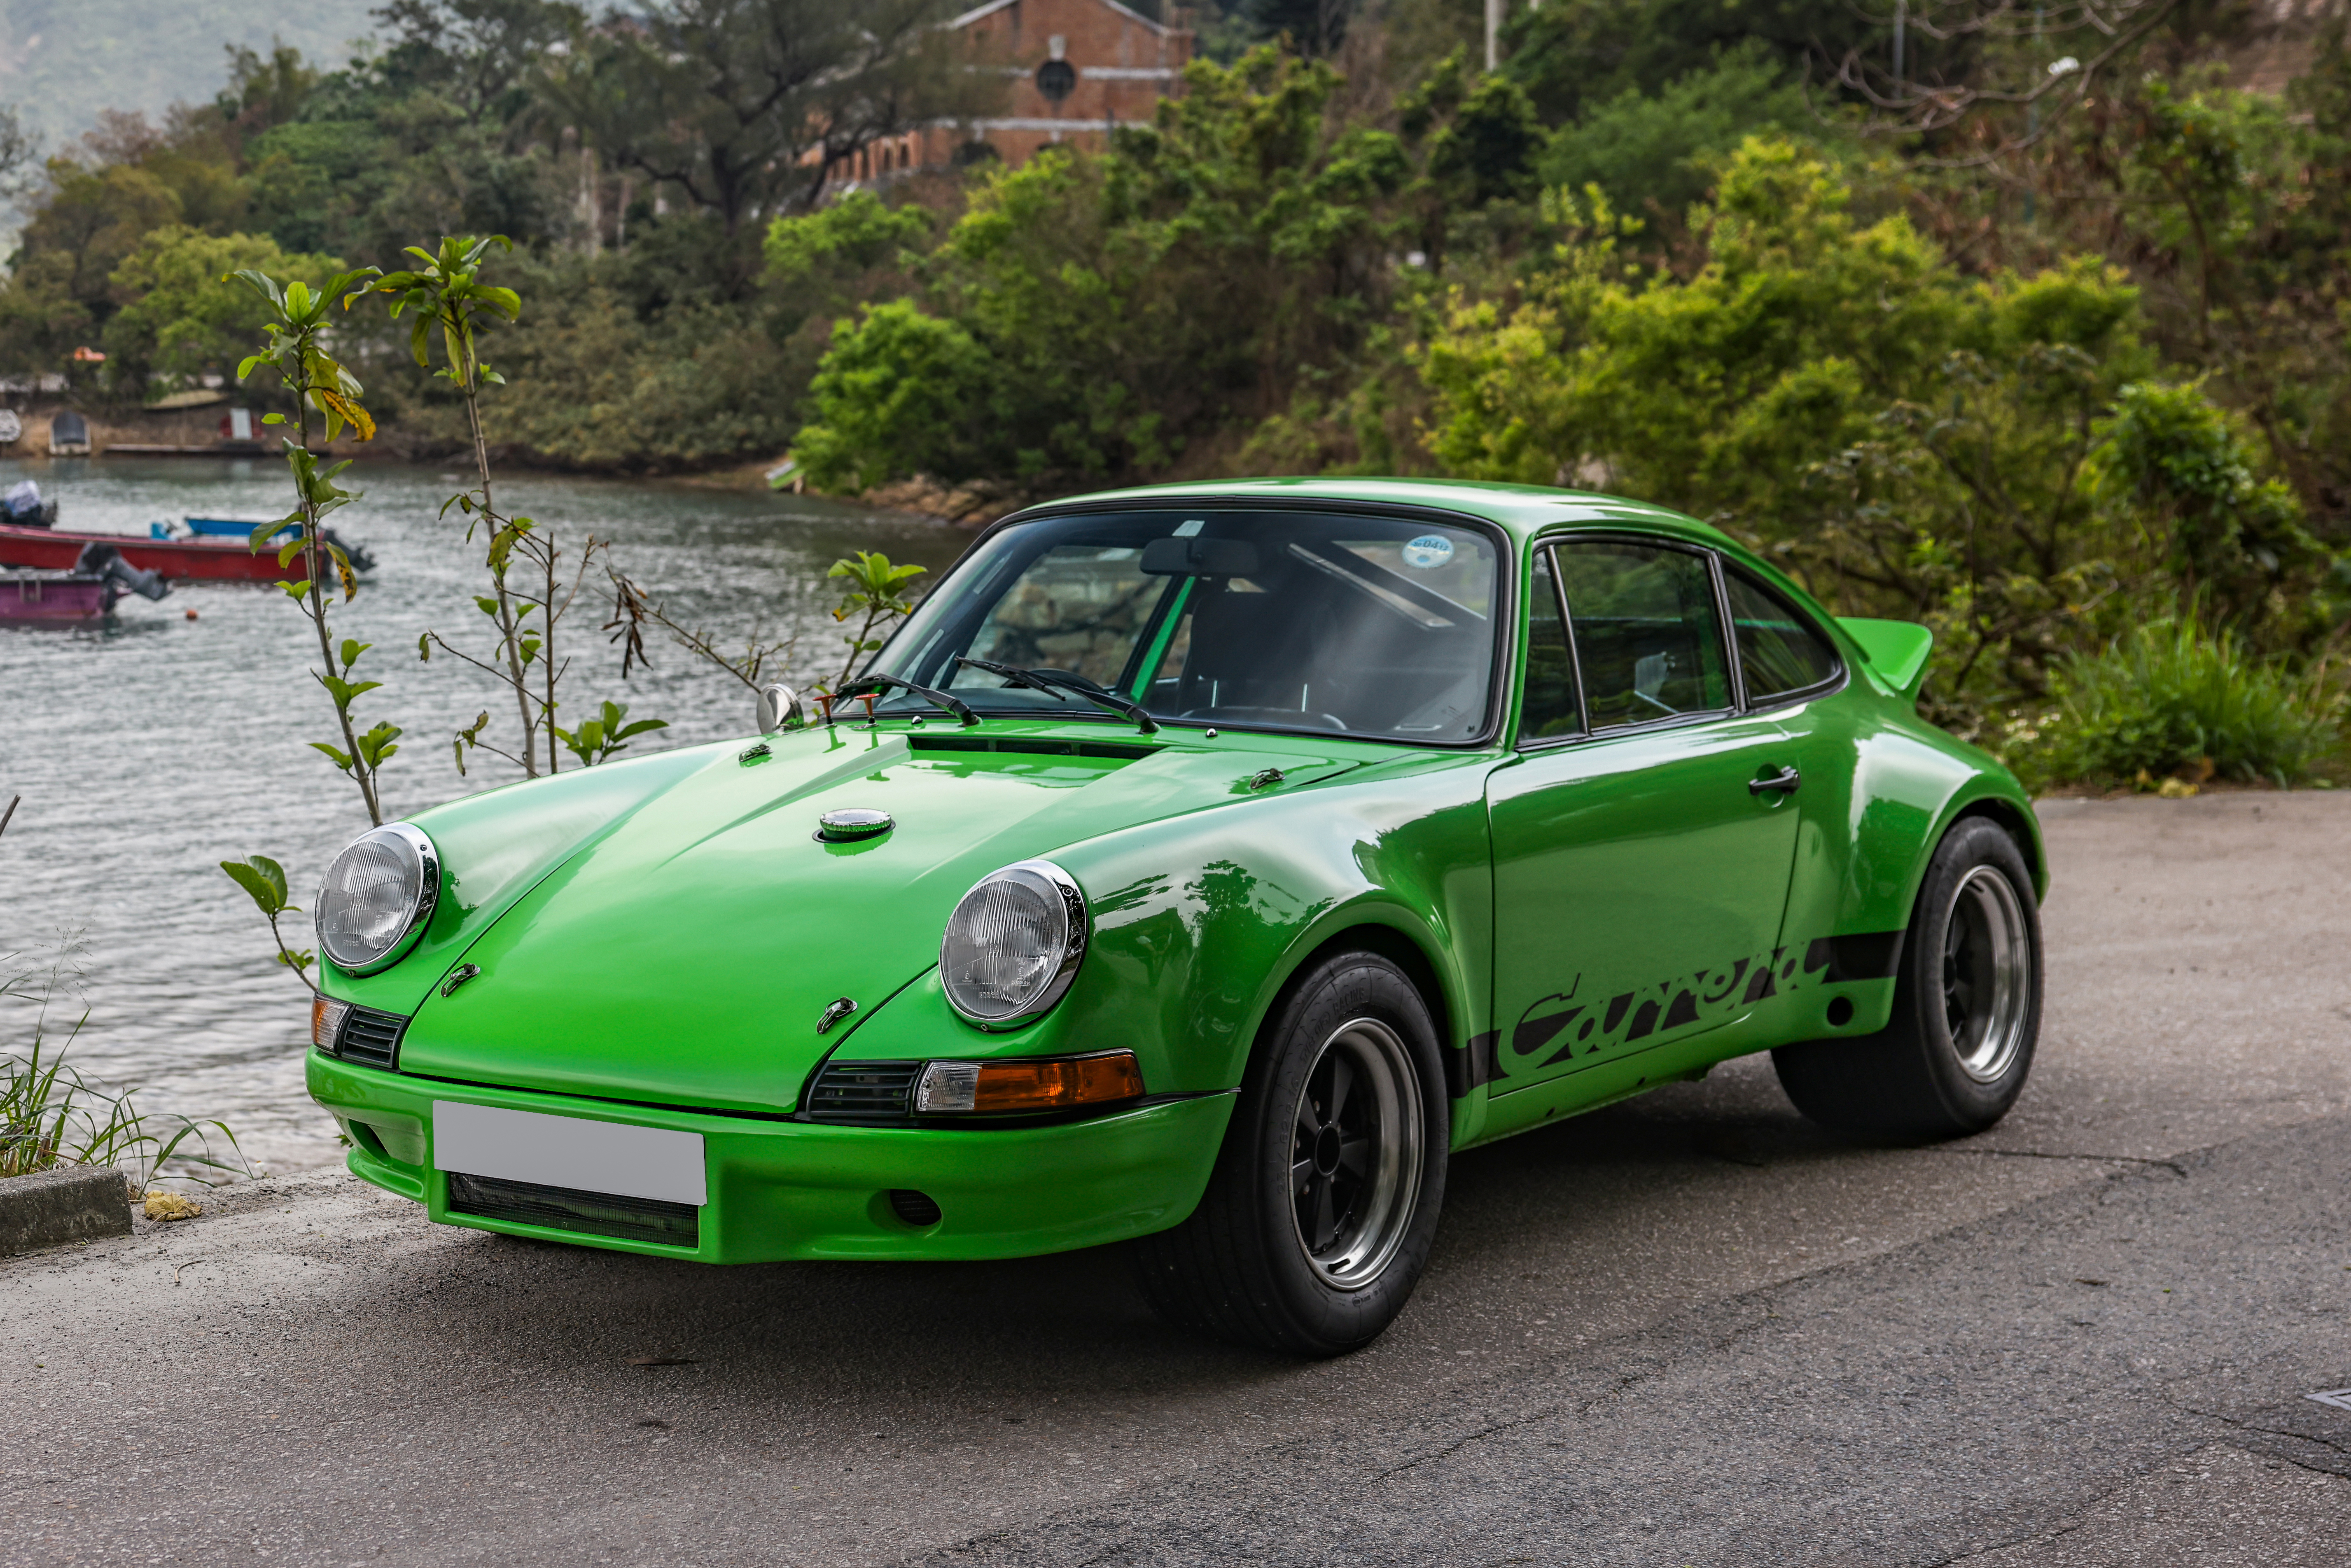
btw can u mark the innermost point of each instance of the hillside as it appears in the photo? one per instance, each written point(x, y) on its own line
point(61, 61)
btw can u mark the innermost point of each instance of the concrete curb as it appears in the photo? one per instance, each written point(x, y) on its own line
point(76, 1203)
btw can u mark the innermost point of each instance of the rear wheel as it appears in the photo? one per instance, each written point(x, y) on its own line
point(1966, 1007)
point(1318, 1221)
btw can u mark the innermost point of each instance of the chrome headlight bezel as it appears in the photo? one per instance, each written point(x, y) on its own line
point(422, 903)
point(1067, 953)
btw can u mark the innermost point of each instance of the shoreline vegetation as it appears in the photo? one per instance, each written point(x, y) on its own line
point(2028, 328)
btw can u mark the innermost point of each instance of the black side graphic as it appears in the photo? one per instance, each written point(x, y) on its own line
point(1470, 1066)
point(1865, 955)
point(1556, 1028)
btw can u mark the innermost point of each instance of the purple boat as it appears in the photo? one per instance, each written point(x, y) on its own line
point(87, 592)
point(54, 596)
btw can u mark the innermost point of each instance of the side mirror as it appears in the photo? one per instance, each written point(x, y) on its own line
point(779, 709)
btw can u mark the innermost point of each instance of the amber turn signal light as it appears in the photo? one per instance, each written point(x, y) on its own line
point(1034, 1084)
point(325, 1018)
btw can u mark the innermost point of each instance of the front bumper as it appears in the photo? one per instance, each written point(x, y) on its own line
point(781, 1189)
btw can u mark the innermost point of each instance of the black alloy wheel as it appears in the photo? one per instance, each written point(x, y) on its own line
point(1959, 1046)
point(1324, 1200)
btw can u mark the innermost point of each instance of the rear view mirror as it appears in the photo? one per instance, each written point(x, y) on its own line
point(781, 708)
point(1199, 557)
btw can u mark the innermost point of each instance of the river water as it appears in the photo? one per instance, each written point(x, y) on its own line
point(148, 752)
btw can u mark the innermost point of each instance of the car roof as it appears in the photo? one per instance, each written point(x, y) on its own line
point(1523, 510)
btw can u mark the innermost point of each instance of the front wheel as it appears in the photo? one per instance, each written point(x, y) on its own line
point(1966, 1007)
point(1318, 1219)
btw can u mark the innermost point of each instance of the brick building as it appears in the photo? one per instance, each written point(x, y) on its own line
point(1075, 69)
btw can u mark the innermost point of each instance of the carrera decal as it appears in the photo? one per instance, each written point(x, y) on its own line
point(1560, 1028)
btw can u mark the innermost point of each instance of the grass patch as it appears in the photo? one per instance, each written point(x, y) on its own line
point(2168, 699)
point(51, 1115)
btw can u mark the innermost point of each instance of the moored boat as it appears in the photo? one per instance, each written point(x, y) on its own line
point(54, 598)
point(231, 528)
point(202, 560)
point(99, 578)
point(182, 560)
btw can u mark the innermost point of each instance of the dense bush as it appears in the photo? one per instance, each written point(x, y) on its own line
point(2170, 699)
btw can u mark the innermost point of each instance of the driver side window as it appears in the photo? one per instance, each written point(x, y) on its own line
point(1648, 636)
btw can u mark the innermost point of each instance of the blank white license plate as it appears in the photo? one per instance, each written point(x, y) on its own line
point(569, 1151)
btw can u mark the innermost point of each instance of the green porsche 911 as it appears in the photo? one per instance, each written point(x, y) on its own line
point(1198, 866)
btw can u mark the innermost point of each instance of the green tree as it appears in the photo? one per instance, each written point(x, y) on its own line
point(1914, 441)
point(742, 105)
point(2179, 466)
point(1658, 152)
point(1058, 337)
point(183, 317)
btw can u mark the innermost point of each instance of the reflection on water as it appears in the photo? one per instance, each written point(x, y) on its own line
point(148, 753)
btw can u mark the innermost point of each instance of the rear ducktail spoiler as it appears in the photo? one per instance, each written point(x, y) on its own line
point(1896, 651)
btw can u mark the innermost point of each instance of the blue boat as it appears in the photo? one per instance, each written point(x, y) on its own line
point(233, 527)
point(241, 529)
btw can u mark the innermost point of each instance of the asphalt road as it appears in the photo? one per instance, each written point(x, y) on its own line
point(1690, 1330)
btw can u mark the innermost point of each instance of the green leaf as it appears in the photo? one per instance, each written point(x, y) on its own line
point(346, 692)
point(353, 649)
point(264, 879)
point(376, 746)
point(334, 754)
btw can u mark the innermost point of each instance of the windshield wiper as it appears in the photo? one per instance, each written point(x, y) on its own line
point(1052, 682)
point(956, 706)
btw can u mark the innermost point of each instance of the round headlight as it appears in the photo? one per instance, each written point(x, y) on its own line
point(379, 893)
point(1012, 946)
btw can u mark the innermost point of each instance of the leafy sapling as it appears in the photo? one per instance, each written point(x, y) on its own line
point(607, 735)
point(447, 292)
point(295, 349)
point(877, 591)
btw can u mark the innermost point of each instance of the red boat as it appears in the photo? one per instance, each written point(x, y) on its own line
point(180, 559)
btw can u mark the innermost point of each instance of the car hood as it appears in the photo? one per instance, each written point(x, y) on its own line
point(686, 955)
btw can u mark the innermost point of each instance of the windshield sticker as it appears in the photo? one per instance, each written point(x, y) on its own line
point(1189, 529)
point(1429, 552)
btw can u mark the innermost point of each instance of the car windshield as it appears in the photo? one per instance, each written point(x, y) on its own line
point(1289, 620)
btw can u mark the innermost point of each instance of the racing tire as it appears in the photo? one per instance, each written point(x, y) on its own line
point(1319, 1216)
point(1966, 1007)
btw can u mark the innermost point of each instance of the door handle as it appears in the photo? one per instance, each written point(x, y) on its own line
point(1787, 781)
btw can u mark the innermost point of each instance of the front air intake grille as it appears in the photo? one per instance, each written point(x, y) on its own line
point(565, 1208)
point(371, 1038)
point(863, 1091)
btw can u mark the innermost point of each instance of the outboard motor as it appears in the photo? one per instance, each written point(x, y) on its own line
point(106, 563)
point(24, 507)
